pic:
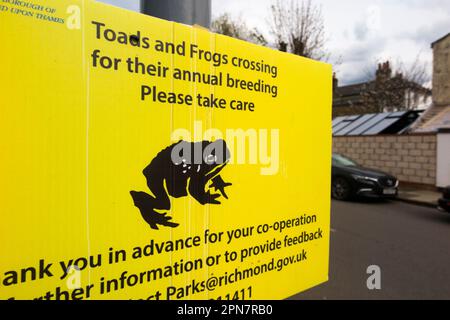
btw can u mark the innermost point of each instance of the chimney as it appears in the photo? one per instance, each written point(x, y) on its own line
point(384, 71)
point(441, 71)
point(282, 46)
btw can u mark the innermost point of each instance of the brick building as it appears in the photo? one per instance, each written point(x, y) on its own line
point(367, 97)
point(420, 156)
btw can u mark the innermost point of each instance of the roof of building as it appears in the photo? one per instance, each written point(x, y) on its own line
point(349, 94)
point(374, 123)
point(435, 118)
point(350, 90)
point(353, 94)
point(354, 89)
point(440, 39)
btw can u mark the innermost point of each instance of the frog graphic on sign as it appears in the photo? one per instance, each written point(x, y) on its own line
point(183, 168)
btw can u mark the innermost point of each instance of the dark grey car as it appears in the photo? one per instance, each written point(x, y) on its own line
point(350, 180)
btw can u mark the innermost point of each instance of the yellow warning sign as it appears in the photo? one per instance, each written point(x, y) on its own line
point(145, 159)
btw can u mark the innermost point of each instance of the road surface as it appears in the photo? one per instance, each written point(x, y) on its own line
point(410, 244)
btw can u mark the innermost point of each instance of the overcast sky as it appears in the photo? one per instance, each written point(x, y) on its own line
point(360, 32)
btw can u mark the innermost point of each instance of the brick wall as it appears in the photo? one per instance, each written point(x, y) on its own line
point(411, 158)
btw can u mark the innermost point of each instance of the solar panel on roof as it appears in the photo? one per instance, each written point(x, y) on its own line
point(379, 127)
point(337, 120)
point(387, 122)
point(372, 122)
point(396, 114)
point(341, 125)
point(355, 124)
point(348, 120)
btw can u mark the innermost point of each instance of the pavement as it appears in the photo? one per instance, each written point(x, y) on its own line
point(418, 196)
point(409, 243)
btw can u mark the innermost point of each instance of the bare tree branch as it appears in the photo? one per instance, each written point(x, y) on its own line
point(237, 28)
point(298, 28)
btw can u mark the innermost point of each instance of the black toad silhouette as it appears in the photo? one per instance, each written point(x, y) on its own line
point(189, 175)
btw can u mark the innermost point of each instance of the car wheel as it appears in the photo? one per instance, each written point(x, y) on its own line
point(341, 189)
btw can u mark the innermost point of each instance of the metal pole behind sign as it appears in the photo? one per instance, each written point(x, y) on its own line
point(183, 11)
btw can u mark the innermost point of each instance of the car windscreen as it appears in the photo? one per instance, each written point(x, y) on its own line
point(342, 161)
